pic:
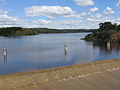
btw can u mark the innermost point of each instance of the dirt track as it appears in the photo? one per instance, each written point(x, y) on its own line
point(100, 75)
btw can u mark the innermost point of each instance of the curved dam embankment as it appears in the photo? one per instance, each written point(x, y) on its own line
point(25, 79)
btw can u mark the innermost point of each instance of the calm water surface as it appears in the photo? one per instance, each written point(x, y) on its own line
point(28, 53)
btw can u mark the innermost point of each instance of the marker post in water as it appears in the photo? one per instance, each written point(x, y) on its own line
point(5, 51)
point(5, 54)
point(65, 49)
point(108, 46)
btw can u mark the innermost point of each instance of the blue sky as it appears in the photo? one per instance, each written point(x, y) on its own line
point(76, 14)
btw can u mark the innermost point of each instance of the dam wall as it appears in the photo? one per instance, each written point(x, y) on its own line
point(24, 79)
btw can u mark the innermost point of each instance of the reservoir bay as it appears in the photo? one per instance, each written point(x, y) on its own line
point(26, 53)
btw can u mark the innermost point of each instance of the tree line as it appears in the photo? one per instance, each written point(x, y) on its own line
point(16, 31)
point(19, 31)
point(107, 26)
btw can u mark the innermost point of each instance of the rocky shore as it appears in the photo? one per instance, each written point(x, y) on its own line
point(27, 79)
point(107, 32)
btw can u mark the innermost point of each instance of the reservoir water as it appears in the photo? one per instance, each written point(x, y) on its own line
point(42, 51)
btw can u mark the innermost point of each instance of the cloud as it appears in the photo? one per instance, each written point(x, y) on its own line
point(94, 9)
point(42, 22)
point(117, 19)
point(84, 2)
point(6, 20)
point(118, 3)
point(49, 11)
point(88, 12)
point(59, 24)
point(52, 24)
point(35, 23)
point(89, 18)
point(98, 18)
point(3, 12)
point(109, 10)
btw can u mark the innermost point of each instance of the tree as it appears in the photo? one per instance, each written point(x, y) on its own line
point(107, 26)
point(118, 27)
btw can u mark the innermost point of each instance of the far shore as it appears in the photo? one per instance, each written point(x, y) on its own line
point(19, 31)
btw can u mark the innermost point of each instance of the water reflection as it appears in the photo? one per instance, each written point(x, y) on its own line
point(107, 47)
point(11, 37)
point(5, 58)
point(65, 51)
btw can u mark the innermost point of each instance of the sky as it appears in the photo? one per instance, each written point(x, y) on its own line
point(61, 14)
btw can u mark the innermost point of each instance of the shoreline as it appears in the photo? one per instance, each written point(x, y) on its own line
point(24, 79)
point(60, 68)
point(56, 68)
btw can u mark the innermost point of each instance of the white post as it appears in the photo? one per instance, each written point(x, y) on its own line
point(65, 49)
point(5, 51)
point(108, 45)
point(5, 54)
